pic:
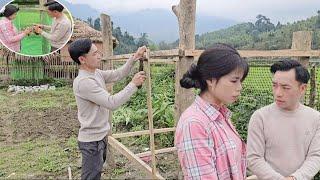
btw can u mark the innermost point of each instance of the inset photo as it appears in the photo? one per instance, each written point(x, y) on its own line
point(35, 27)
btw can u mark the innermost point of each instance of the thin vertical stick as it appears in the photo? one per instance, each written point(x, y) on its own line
point(313, 86)
point(69, 173)
point(150, 113)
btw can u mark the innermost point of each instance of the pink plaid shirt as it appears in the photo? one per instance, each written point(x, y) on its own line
point(9, 35)
point(208, 145)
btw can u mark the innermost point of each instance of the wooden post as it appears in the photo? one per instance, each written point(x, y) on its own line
point(313, 86)
point(108, 51)
point(150, 113)
point(42, 17)
point(185, 13)
point(301, 40)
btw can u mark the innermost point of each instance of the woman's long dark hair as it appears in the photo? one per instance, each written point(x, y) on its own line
point(9, 10)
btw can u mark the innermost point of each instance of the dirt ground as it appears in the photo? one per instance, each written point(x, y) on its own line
point(23, 121)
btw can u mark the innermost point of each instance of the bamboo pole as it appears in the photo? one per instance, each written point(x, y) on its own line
point(144, 132)
point(159, 151)
point(150, 113)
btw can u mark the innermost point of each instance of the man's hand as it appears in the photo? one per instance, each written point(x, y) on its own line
point(139, 53)
point(139, 78)
point(37, 29)
point(39, 25)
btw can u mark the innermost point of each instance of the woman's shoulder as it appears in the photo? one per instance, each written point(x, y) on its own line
point(194, 114)
point(4, 21)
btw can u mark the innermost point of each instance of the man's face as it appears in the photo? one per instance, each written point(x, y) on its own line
point(92, 59)
point(52, 13)
point(287, 91)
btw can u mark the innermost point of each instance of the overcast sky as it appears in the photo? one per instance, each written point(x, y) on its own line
point(239, 10)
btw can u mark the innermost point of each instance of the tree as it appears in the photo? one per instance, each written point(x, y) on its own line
point(279, 25)
point(143, 40)
point(317, 26)
point(97, 25)
point(164, 46)
point(89, 21)
point(263, 24)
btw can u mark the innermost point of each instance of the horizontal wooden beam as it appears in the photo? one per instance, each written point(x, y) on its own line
point(159, 151)
point(153, 54)
point(271, 53)
point(165, 56)
point(132, 157)
point(152, 61)
point(144, 132)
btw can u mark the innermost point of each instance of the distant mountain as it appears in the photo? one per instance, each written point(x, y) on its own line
point(159, 24)
point(162, 24)
point(81, 11)
point(247, 36)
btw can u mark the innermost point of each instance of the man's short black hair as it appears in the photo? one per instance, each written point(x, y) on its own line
point(302, 74)
point(79, 48)
point(54, 5)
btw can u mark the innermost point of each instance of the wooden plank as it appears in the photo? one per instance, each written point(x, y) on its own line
point(150, 112)
point(144, 132)
point(262, 53)
point(159, 151)
point(132, 157)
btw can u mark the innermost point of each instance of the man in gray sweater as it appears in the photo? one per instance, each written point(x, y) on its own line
point(284, 137)
point(61, 28)
point(94, 102)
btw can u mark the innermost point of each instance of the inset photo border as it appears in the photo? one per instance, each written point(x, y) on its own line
point(35, 27)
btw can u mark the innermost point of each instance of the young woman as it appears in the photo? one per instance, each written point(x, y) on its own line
point(9, 35)
point(208, 145)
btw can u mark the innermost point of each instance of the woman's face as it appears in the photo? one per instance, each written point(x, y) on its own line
point(227, 89)
point(13, 16)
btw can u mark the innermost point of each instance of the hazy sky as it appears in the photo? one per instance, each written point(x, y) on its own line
point(239, 10)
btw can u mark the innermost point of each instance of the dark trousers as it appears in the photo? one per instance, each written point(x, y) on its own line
point(93, 157)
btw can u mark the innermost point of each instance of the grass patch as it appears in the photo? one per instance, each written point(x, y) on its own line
point(60, 98)
point(37, 157)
